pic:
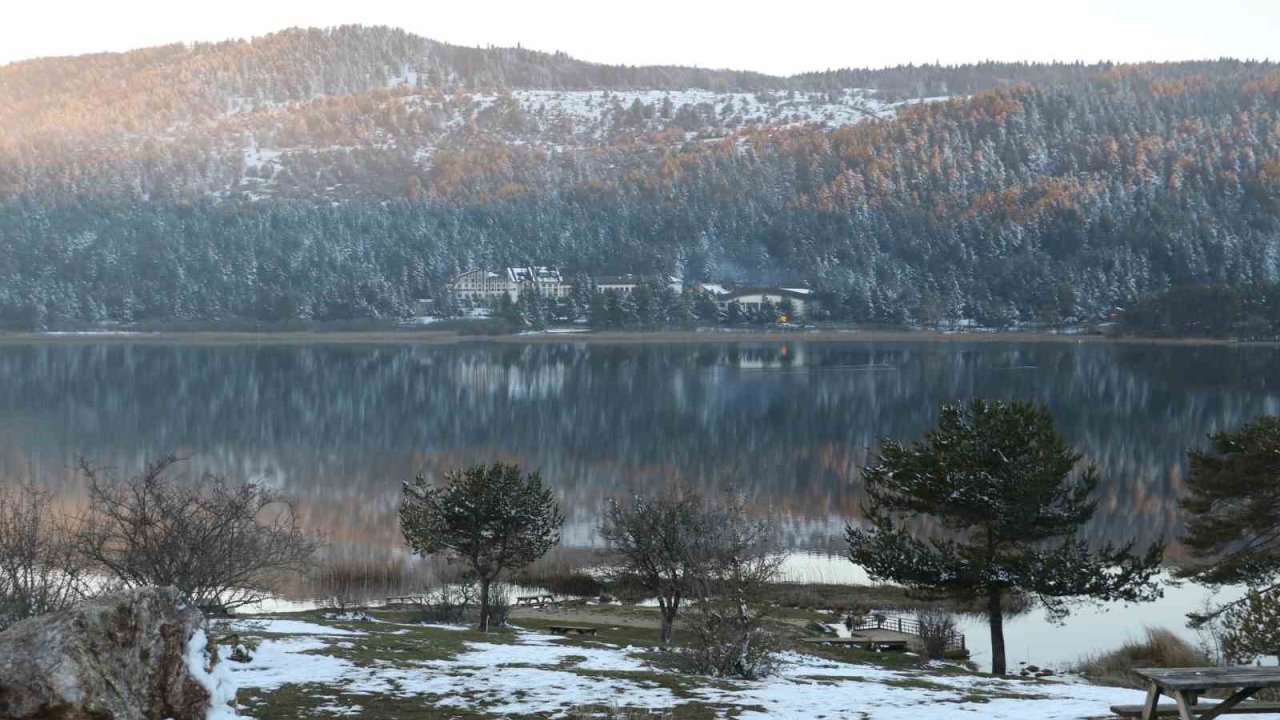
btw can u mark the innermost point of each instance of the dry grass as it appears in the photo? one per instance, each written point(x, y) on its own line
point(1162, 648)
point(358, 581)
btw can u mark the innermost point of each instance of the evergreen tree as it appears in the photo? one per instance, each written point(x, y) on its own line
point(683, 311)
point(646, 304)
point(532, 310)
point(510, 311)
point(996, 479)
point(446, 305)
point(628, 315)
point(787, 309)
point(734, 315)
point(493, 518)
point(1232, 504)
point(598, 311)
point(767, 314)
point(706, 308)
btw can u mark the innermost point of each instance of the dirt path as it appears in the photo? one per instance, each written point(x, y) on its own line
point(627, 616)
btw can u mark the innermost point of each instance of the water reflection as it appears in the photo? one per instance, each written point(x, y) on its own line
point(789, 423)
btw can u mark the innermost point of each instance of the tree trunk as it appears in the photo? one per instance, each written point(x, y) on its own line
point(484, 604)
point(995, 616)
point(669, 609)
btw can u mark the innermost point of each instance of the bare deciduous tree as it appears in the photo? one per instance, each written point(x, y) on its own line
point(659, 541)
point(39, 571)
point(223, 544)
point(733, 634)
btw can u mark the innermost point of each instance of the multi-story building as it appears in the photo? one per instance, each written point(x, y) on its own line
point(482, 285)
point(546, 281)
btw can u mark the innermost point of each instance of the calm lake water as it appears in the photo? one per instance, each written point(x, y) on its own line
point(789, 423)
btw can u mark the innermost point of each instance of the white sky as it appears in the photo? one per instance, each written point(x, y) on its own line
point(780, 36)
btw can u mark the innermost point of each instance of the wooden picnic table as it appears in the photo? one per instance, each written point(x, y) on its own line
point(406, 600)
point(1185, 685)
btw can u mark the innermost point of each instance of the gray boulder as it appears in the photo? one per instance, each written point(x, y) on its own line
point(136, 655)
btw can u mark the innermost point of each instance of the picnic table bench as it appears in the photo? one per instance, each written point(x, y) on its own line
point(865, 643)
point(572, 629)
point(1185, 685)
point(407, 600)
point(534, 600)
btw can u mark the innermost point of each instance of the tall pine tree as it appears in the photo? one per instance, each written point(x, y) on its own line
point(996, 481)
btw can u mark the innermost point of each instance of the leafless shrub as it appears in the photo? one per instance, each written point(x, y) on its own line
point(450, 604)
point(39, 571)
point(937, 631)
point(1251, 629)
point(222, 544)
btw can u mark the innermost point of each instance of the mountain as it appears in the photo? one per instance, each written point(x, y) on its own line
point(341, 173)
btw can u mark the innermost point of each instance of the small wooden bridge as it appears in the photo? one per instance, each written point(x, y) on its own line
point(889, 630)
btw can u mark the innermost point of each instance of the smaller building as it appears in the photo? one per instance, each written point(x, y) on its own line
point(751, 299)
point(617, 283)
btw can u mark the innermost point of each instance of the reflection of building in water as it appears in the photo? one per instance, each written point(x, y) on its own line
point(526, 381)
point(786, 355)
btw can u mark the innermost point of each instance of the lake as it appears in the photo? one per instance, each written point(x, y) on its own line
point(789, 424)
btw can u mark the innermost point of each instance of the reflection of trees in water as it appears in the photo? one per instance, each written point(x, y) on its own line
point(790, 423)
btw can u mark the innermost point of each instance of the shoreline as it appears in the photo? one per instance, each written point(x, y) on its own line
point(430, 337)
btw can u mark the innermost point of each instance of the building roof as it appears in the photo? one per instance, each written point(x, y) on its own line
point(617, 280)
point(534, 274)
point(488, 274)
point(797, 293)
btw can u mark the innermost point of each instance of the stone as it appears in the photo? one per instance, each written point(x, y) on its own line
point(135, 655)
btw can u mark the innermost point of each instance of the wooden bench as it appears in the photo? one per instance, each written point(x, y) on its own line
point(1185, 685)
point(865, 644)
point(572, 629)
point(1168, 710)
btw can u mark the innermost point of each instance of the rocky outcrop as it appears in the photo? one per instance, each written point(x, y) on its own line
point(137, 655)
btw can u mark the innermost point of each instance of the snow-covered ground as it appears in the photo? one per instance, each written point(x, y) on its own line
point(536, 673)
point(555, 119)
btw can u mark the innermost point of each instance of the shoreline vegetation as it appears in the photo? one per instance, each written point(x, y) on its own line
point(428, 335)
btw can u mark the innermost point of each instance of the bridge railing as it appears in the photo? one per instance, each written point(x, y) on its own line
point(900, 623)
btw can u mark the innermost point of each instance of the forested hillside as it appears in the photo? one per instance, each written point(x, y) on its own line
point(342, 173)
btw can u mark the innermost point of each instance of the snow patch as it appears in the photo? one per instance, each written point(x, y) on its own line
point(217, 681)
point(290, 627)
